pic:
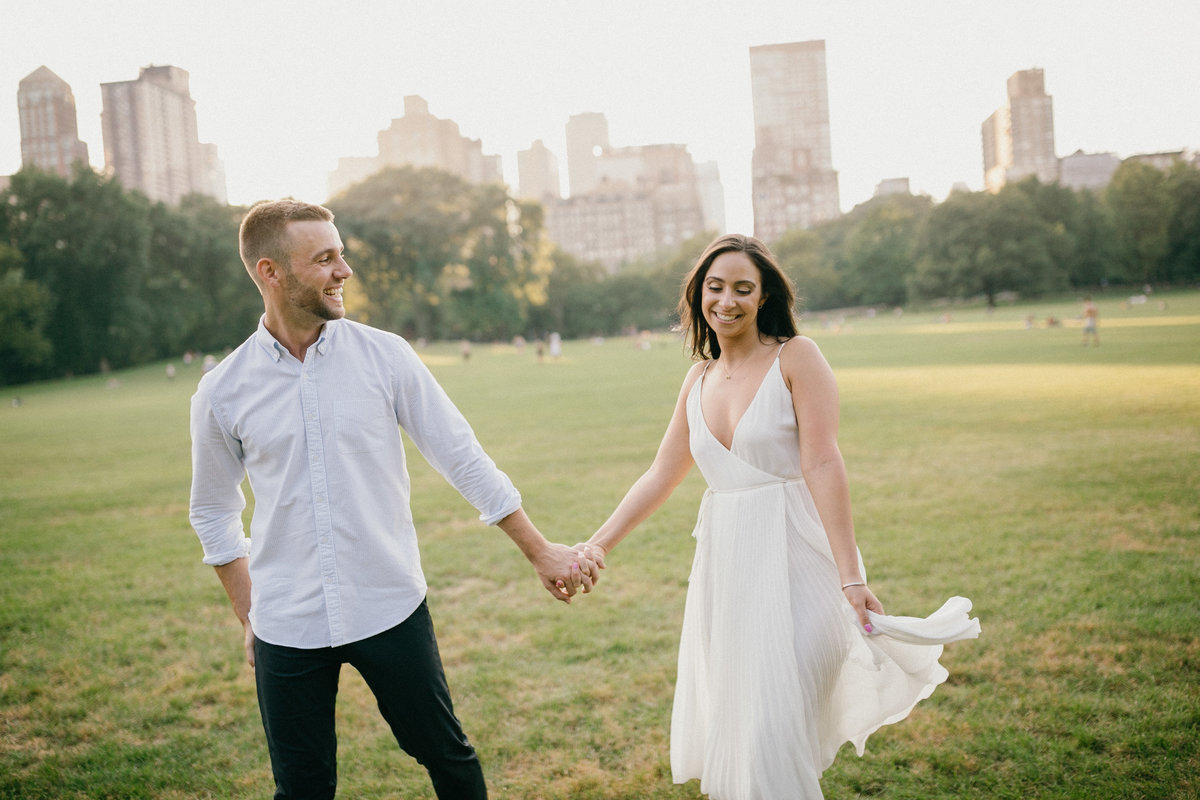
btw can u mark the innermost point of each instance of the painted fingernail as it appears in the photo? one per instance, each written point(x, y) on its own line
point(867, 627)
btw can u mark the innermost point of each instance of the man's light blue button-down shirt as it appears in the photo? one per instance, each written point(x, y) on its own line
point(333, 551)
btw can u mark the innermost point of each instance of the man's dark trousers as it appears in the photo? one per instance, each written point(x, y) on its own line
point(297, 689)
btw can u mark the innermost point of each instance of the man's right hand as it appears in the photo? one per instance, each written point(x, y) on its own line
point(249, 643)
point(563, 571)
point(235, 577)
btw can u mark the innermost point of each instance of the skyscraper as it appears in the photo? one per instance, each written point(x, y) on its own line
point(794, 183)
point(150, 139)
point(587, 137)
point(1018, 138)
point(637, 200)
point(49, 128)
point(423, 140)
point(712, 196)
point(537, 173)
point(419, 139)
point(1082, 170)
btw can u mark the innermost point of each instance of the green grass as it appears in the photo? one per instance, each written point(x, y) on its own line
point(1057, 486)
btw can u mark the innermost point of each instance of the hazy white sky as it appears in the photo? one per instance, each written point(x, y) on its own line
point(285, 88)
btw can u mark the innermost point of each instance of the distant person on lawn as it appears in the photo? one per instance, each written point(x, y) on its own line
point(1091, 319)
point(309, 407)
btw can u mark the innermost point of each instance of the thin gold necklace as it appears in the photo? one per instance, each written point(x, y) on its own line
point(729, 372)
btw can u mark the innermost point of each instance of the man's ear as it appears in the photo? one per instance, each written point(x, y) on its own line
point(268, 271)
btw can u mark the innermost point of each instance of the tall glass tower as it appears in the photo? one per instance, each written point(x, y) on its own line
point(794, 182)
point(49, 129)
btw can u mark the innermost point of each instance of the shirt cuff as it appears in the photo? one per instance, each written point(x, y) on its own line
point(221, 559)
point(512, 504)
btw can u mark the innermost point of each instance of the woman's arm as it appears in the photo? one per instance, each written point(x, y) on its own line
point(815, 400)
point(670, 466)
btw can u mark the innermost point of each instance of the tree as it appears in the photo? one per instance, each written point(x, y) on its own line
point(197, 295)
point(438, 256)
point(222, 304)
point(24, 308)
point(1094, 262)
point(1182, 259)
point(1081, 236)
point(402, 228)
point(619, 303)
point(975, 243)
point(801, 256)
point(85, 241)
point(568, 308)
point(1142, 209)
point(877, 256)
point(504, 268)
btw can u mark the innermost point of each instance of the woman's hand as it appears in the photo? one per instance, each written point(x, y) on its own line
point(862, 599)
point(593, 552)
point(587, 575)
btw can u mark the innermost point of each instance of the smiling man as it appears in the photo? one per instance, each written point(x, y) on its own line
point(310, 407)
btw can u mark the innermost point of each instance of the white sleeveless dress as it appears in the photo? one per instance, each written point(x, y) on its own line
point(775, 673)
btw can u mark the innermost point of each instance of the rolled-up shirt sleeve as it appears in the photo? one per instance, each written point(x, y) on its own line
point(448, 443)
point(217, 501)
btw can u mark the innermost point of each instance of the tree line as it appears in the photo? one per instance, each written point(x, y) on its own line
point(1029, 238)
point(97, 276)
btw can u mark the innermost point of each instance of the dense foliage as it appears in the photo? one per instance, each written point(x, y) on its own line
point(100, 277)
point(97, 276)
point(437, 256)
point(1029, 239)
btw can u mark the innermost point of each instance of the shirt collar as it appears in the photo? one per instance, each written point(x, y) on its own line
point(268, 342)
point(322, 343)
point(272, 346)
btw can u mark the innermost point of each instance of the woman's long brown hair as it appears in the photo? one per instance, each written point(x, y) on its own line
point(776, 317)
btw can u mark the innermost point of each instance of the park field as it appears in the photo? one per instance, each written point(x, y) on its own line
point(1056, 485)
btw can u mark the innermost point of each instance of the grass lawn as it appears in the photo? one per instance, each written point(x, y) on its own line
point(1057, 486)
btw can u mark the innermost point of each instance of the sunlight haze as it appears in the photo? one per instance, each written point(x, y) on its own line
point(284, 90)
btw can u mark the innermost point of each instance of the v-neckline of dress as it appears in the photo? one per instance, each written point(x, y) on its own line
point(738, 425)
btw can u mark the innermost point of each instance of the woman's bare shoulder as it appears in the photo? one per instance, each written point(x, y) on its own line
point(801, 349)
point(801, 359)
point(694, 373)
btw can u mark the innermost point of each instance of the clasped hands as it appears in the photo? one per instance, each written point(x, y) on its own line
point(567, 570)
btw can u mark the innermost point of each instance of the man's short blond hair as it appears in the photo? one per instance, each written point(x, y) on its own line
point(263, 232)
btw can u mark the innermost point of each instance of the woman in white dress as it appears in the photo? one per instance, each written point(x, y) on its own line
point(786, 653)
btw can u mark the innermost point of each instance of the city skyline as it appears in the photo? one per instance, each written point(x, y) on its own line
point(285, 96)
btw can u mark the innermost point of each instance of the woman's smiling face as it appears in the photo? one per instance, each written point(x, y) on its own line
point(732, 294)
